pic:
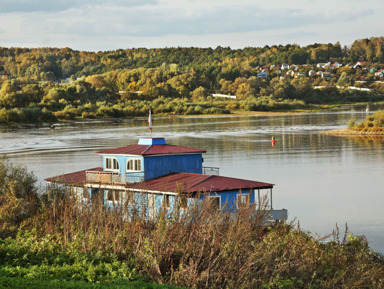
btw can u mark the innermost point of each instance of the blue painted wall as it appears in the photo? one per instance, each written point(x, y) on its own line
point(130, 176)
point(228, 201)
point(229, 198)
point(163, 165)
point(156, 166)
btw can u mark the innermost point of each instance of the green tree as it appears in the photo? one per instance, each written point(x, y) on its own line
point(343, 79)
point(7, 88)
point(303, 87)
point(198, 93)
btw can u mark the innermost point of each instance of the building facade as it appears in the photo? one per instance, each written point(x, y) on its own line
point(157, 175)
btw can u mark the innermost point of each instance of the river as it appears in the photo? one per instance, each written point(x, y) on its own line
point(322, 180)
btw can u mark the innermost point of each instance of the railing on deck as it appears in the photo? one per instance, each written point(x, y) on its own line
point(211, 171)
point(103, 177)
point(274, 216)
point(111, 178)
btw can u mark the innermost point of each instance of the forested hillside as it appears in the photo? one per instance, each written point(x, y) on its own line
point(47, 84)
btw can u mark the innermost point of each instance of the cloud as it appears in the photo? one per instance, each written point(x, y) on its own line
point(25, 6)
point(156, 20)
point(106, 23)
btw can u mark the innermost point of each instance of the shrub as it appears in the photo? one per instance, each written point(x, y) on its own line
point(206, 248)
point(18, 196)
point(197, 247)
point(351, 123)
point(372, 123)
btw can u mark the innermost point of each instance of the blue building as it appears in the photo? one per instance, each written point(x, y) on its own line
point(163, 176)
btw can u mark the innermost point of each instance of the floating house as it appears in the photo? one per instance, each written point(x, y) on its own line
point(164, 176)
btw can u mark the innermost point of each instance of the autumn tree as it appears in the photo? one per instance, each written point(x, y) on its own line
point(198, 93)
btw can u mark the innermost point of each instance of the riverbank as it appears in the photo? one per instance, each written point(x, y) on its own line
point(234, 113)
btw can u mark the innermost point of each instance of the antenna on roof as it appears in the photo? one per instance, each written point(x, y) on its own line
point(150, 121)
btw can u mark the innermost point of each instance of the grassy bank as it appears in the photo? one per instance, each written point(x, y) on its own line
point(60, 242)
point(30, 262)
point(372, 126)
point(373, 123)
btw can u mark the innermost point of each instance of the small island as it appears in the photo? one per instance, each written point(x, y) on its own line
point(373, 125)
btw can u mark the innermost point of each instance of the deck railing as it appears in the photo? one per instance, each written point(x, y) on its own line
point(211, 171)
point(274, 216)
point(101, 177)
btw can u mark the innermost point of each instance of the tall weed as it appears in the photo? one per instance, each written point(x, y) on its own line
point(195, 247)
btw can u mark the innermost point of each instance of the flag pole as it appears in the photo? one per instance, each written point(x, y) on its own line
point(150, 122)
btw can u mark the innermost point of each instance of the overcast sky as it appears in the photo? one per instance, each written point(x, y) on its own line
point(99, 25)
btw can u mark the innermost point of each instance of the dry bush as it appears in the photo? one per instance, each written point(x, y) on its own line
point(197, 247)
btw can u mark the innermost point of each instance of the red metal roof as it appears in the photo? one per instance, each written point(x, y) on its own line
point(190, 183)
point(72, 178)
point(151, 150)
point(187, 182)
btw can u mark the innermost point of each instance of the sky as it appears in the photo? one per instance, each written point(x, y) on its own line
point(101, 25)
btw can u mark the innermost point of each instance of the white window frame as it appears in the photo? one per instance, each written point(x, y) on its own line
point(136, 164)
point(263, 196)
point(239, 200)
point(115, 166)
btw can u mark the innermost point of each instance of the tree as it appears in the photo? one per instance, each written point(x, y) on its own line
point(303, 87)
point(343, 79)
point(32, 93)
point(48, 76)
point(55, 94)
point(7, 88)
point(34, 71)
point(282, 88)
point(97, 81)
point(198, 93)
point(18, 196)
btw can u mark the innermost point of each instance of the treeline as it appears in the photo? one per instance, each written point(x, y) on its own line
point(50, 84)
point(57, 64)
point(61, 242)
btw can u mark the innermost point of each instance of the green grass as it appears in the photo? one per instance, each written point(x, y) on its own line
point(25, 263)
point(21, 283)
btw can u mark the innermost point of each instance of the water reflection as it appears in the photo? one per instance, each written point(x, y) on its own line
point(320, 179)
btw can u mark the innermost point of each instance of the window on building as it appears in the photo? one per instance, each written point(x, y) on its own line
point(215, 202)
point(77, 192)
point(112, 164)
point(85, 194)
point(183, 201)
point(166, 201)
point(113, 196)
point(243, 200)
point(110, 196)
point(134, 165)
point(130, 197)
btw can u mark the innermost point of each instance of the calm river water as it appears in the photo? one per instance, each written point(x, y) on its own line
point(322, 180)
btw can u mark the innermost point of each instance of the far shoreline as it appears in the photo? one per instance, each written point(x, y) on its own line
point(154, 117)
point(235, 113)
